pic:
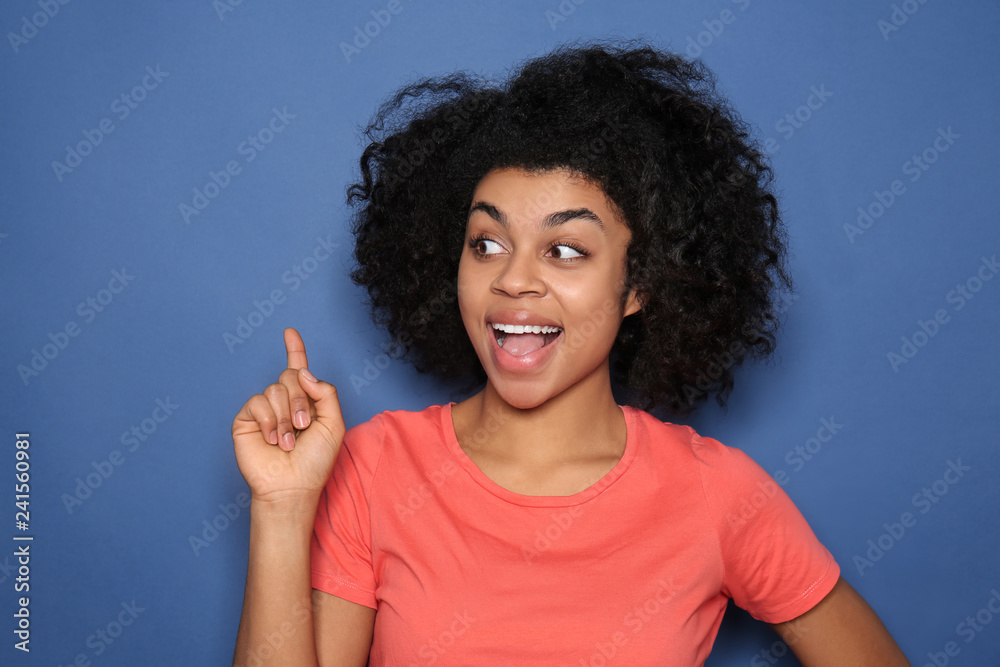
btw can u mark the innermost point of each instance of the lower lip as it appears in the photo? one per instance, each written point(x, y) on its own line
point(506, 361)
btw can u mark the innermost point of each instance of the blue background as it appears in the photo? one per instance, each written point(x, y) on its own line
point(887, 93)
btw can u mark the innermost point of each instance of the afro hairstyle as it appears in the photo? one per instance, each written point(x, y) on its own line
point(706, 253)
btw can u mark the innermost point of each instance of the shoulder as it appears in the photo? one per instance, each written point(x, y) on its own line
point(663, 437)
point(395, 422)
point(710, 456)
point(773, 565)
point(724, 464)
point(393, 428)
point(727, 478)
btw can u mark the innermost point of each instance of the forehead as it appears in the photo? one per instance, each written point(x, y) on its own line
point(532, 195)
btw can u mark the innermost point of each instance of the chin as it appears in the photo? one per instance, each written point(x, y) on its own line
point(522, 403)
point(522, 397)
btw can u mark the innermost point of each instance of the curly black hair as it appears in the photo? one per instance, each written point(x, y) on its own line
point(707, 248)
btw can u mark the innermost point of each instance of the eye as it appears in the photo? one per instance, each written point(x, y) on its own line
point(485, 247)
point(564, 251)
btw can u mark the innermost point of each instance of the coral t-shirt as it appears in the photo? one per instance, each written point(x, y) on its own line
point(636, 569)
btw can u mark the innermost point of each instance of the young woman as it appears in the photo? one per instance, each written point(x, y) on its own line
point(601, 215)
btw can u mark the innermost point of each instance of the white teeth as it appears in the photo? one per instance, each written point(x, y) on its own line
point(521, 329)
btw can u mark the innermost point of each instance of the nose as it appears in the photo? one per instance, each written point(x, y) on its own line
point(519, 276)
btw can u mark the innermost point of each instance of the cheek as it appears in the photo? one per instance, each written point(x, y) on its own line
point(588, 294)
point(465, 288)
point(598, 315)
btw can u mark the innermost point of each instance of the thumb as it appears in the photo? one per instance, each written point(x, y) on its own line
point(324, 395)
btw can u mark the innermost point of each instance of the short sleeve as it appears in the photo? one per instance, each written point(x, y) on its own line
point(774, 566)
point(341, 553)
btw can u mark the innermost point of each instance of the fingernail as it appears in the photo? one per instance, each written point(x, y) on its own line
point(309, 376)
point(273, 437)
point(301, 419)
point(289, 441)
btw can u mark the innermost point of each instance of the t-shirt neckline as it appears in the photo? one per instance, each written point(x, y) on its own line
point(591, 492)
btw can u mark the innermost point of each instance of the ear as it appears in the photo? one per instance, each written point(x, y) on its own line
point(633, 302)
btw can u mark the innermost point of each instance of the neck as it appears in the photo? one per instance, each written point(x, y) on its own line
point(582, 421)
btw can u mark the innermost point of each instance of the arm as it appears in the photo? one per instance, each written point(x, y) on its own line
point(343, 630)
point(279, 619)
point(283, 622)
point(841, 630)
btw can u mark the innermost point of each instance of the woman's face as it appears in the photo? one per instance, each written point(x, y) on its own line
point(540, 282)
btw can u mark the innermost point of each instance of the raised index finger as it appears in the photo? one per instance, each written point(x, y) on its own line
point(295, 349)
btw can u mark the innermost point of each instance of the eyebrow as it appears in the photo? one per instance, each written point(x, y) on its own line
point(549, 221)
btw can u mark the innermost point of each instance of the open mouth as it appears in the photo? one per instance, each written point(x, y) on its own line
point(519, 340)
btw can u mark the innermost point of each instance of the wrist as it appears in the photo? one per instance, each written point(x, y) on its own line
point(292, 510)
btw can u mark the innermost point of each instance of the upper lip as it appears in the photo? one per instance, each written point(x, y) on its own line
point(522, 317)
